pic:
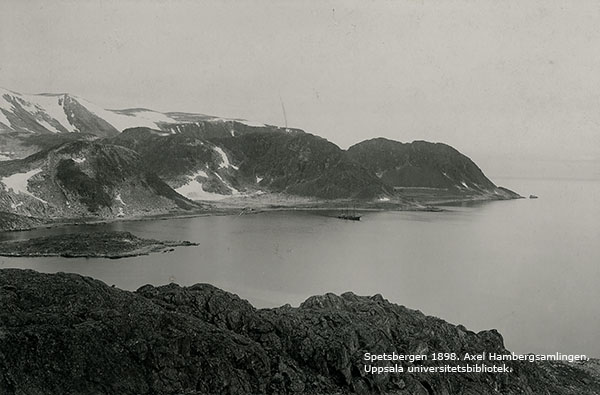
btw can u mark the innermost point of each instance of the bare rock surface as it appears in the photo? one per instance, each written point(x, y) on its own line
point(69, 334)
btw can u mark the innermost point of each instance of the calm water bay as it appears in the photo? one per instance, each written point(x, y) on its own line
point(529, 268)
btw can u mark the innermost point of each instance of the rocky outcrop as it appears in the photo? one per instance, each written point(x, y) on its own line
point(69, 334)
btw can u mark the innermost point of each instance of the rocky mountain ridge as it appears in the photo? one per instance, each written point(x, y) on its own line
point(69, 334)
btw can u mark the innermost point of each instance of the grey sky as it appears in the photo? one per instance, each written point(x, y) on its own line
point(499, 80)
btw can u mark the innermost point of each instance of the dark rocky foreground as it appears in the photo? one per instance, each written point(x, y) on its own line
point(68, 334)
point(115, 244)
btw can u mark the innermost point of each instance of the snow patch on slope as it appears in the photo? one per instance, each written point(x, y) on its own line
point(142, 118)
point(193, 189)
point(51, 105)
point(232, 189)
point(3, 119)
point(5, 104)
point(224, 160)
point(118, 199)
point(47, 126)
point(18, 183)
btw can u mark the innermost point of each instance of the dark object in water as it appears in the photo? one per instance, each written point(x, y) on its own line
point(532, 197)
point(351, 216)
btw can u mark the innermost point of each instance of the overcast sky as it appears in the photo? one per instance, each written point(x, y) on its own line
point(498, 80)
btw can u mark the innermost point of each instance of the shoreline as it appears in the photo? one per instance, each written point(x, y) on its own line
point(235, 207)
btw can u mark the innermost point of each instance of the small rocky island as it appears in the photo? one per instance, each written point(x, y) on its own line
point(111, 244)
point(69, 334)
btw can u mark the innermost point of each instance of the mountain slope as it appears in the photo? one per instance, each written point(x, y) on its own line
point(83, 178)
point(49, 113)
point(302, 164)
point(212, 161)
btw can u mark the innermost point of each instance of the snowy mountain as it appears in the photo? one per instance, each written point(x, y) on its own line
point(64, 113)
point(50, 113)
point(23, 116)
point(208, 158)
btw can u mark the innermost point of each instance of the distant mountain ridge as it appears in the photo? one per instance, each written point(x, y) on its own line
point(24, 115)
point(200, 157)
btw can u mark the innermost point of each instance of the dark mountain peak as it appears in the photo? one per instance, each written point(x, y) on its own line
point(376, 141)
point(437, 167)
point(389, 143)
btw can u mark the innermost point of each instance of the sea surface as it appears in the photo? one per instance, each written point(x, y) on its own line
point(529, 268)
